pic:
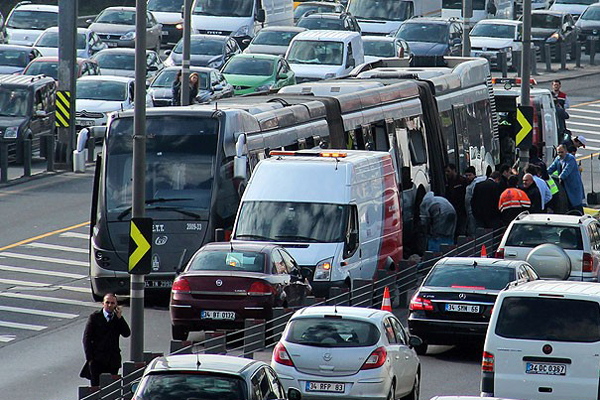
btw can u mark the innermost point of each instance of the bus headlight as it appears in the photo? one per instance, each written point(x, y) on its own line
point(323, 270)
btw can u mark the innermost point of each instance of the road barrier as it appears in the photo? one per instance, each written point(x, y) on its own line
point(259, 335)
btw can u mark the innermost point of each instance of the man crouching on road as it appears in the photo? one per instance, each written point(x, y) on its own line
point(101, 340)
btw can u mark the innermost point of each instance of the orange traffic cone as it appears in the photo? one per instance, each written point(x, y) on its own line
point(483, 251)
point(386, 305)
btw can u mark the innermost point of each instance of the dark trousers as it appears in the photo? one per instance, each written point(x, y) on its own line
point(97, 368)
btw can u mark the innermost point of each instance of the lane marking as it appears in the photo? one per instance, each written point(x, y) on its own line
point(44, 259)
point(574, 112)
point(42, 272)
point(33, 239)
point(18, 283)
point(7, 338)
point(43, 313)
point(75, 235)
point(75, 289)
point(593, 103)
point(584, 117)
point(49, 299)
point(584, 131)
point(27, 327)
point(582, 123)
point(58, 247)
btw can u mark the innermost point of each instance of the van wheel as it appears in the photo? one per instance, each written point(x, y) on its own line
point(179, 332)
point(421, 349)
point(416, 390)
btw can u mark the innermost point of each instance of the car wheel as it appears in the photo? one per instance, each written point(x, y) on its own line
point(416, 390)
point(392, 394)
point(421, 349)
point(179, 332)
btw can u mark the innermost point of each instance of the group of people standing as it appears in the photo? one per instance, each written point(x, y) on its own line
point(194, 83)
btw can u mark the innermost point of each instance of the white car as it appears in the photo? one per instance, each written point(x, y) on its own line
point(347, 352)
point(27, 21)
point(490, 37)
point(87, 43)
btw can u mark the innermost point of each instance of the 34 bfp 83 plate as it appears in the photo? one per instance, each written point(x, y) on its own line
point(335, 387)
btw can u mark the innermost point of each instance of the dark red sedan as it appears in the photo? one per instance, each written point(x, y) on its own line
point(223, 284)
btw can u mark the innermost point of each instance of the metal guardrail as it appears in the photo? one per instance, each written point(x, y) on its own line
point(259, 335)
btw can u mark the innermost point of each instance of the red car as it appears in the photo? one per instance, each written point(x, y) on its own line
point(223, 284)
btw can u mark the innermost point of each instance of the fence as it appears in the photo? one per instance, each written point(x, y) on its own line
point(259, 335)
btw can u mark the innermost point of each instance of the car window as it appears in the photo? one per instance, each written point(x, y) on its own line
point(261, 388)
point(532, 235)
point(276, 387)
point(469, 276)
point(389, 331)
point(332, 331)
point(225, 260)
point(531, 272)
point(399, 331)
point(183, 385)
point(288, 260)
point(39, 101)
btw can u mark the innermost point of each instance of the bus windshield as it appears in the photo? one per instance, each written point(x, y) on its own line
point(384, 10)
point(180, 154)
point(219, 8)
point(292, 222)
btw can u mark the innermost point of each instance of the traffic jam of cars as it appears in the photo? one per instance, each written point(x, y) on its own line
point(286, 90)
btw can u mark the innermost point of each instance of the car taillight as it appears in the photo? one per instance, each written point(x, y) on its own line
point(588, 263)
point(499, 253)
point(420, 304)
point(181, 285)
point(487, 363)
point(376, 359)
point(260, 288)
point(281, 356)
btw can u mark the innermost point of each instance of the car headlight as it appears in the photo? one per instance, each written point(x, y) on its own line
point(243, 31)
point(323, 270)
point(215, 64)
point(128, 36)
point(179, 26)
point(11, 132)
point(263, 88)
point(553, 38)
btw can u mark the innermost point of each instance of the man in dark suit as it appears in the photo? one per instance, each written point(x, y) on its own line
point(484, 202)
point(101, 340)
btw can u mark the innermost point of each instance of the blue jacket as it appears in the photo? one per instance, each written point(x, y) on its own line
point(568, 172)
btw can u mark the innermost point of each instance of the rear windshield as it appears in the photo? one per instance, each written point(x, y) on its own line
point(332, 332)
point(191, 386)
point(469, 277)
point(228, 261)
point(532, 235)
point(549, 319)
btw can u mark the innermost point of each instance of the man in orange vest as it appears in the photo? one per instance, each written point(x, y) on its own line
point(513, 201)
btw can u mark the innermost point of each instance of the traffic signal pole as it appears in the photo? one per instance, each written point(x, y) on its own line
point(467, 14)
point(185, 62)
point(525, 71)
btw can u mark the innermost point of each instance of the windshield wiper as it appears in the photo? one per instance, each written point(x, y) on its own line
point(305, 238)
point(251, 236)
point(156, 200)
point(179, 210)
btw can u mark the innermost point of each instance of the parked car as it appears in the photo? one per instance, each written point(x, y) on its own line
point(316, 7)
point(588, 27)
point(490, 37)
point(273, 40)
point(212, 86)
point(454, 303)
point(49, 66)
point(377, 47)
point(553, 28)
point(86, 42)
point(249, 73)
point(329, 22)
point(237, 282)
point(116, 28)
point(557, 246)
point(205, 51)
point(209, 376)
point(432, 36)
point(168, 14)
point(14, 59)
point(121, 62)
point(339, 352)
point(27, 21)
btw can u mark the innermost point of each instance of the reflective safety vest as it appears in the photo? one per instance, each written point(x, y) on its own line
point(513, 198)
point(553, 186)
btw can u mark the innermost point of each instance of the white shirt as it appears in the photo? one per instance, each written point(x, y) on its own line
point(544, 189)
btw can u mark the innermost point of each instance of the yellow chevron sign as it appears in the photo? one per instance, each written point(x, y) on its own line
point(63, 108)
point(140, 239)
point(525, 119)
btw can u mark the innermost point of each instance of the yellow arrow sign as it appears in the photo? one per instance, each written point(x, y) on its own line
point(142, 246)
point(525, 127)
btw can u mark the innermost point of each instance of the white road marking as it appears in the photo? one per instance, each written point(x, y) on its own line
point(49, 299)
point(582, 123)
point(75, 289)
point(31, 311)
point(584, 117)
point(57, 247)
point(75, 235)
point(577, 110)
point(45, 259)
point(41, 272)
point(28, 327)
point(15, 282)
point(6, 338)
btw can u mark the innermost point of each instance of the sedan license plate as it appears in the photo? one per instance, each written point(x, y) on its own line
point(85, 122)
point(545, 368)
point(325, 387)
point(111, 44)
point(221, 315)
point(591, 37)
point(164, 33)
point(158, 284)
point(466, 308)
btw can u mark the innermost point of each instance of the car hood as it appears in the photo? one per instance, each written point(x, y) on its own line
point(310, 254)
point(315, 71)
point(170, 18)
point(211, 23)
point(48, 51)
point(248, 80)
point(428, 49)
point(490, 43)
point(6, 122)
point(98, 105)
point(111, 28)
point(266, 49)
point(9, 70)
point(197, 60)
point(23, 36)
point(117, 72)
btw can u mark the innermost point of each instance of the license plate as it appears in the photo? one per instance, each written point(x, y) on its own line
point(325, 387)
point(111, 44)
point(590, 37)
point(164, 33)
point(222, 315)
point(545, 368)
point(466, 308)
point(84, 122)
point(158, 284)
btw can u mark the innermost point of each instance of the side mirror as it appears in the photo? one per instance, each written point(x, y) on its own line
point(456, 41)
point(246, 42)
point(152, 68)
point(294, 394)
point(41, 113)
point(351, 63)
point(218, 87)
point(351, 244)
point(219, 235)
point(414, 341)
point(167, 53)
point(239, 167)
point(261, 15)
point(89, 21)
point(134, 385)
point(306, 272)
point(568, 28)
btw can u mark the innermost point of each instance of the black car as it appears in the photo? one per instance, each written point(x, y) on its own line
point(588, 26)
point(14, 59)
point(27, 105)
point(329, 22)
point(455, 301)
point(432, 36)
point(553, 28)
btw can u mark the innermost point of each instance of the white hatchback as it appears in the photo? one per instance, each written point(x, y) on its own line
point(349, 353)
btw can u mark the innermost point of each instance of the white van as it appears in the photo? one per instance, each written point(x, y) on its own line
point(543, 342)
point(317, 54)
point(240, 19)
point(383, 18)
point(26, 22)
point(337, 212)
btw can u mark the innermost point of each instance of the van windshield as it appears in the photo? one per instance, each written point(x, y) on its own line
point(384, 10)
point(316, 52)
point(14, 102)
point(292, 222)
point(537, 318)
point(532, 235)
point(220, 8)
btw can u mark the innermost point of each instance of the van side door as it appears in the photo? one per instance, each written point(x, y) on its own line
point(351, 259)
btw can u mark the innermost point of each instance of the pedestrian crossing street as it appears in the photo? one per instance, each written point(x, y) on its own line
point(44, 284)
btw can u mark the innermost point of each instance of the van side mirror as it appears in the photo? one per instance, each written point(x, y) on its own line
point(261, 15)
point(351, 243)
point(406, 178)
point(239, 167)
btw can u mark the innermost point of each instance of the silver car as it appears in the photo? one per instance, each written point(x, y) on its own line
point(348, 352)
point(87, 43)
point(273, 40)
point(116, 28)
point(121, 62)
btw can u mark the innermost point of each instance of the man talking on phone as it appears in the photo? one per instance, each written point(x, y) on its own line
point(101, 340)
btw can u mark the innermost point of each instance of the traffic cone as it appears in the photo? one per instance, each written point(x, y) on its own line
point(386, 305)
point(483, 251)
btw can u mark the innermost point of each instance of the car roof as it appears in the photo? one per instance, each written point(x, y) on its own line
point(122, 50)
point(378, 39)
point(25, 80)
point(354, 312)
point(218, 38)
point(326, 35)
point(15, 47)
point(55, 29)
point(203, 362)
point(283, 28)
point(433, 20)
point(326, 15)
point(480, 262)
point(556, 287)
point(104, 78)
point(550, 12)
point(258, 55)
point(240, 246)
point(557, 218)
point(120, 8)
point(319, 3)
point(36, 7)
point(55, 59)
point(500, 22)
point(192, 69)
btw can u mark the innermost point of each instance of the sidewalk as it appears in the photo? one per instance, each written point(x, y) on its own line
point(571, 72)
